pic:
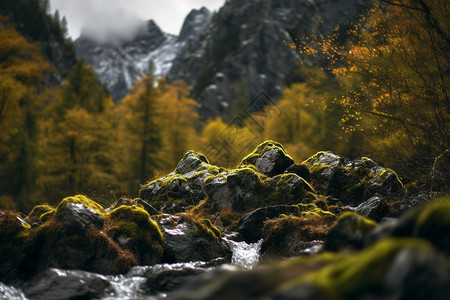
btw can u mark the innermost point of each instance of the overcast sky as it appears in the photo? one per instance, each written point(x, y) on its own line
point(121, 16)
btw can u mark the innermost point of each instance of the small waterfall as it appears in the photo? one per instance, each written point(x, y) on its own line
point(245, 256)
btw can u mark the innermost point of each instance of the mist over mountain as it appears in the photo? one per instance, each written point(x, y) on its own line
point(243, 44)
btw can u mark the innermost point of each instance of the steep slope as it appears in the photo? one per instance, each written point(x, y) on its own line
point(246, 41)
point(120, 65)
point(241, 45)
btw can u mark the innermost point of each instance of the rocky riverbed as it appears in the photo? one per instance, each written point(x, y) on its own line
point(326, 228)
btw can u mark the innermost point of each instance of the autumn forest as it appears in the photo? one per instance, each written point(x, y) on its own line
point(377, 88)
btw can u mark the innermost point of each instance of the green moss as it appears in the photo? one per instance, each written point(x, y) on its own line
point(138, 216)
point(346, 276)
point(361, 224)
point(196, 154)
point(78, 199)
point(203, 225)
point(134, 230)
point(251, 158)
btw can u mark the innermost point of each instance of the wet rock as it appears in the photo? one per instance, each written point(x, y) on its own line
point(79, 216)
point(191, 161)
point(187, 239)
point(166, 278)
point(241, 190)
point(289, 189)
point(181, 188)
point(269, 158)
point(374, 208)
point(349, 230)
point(352, 181)
point(65, 284)
point(250, 226)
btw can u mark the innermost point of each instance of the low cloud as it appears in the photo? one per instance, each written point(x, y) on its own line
point(114, 20)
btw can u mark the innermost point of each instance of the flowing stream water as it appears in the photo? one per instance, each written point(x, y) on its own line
point(130, 286)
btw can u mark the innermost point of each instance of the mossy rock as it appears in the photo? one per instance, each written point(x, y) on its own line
point(430, 222)
point(350, 276)
point(352, 181)
point(252, 225)
point(191, 161)
point(78, 199)
point(269, 158)
point(390, 269)
point(189, 238)
point(133, 229)
point(181, 188)
point(289, 235)
point(288, 189)
point(55, 245)
point(349, 231)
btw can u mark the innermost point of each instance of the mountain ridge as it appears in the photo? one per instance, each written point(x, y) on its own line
point(242, 44)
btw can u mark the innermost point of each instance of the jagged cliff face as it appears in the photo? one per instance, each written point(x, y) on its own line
point(244, 42)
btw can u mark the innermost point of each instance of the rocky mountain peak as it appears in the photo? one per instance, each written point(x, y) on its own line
point(195, 23)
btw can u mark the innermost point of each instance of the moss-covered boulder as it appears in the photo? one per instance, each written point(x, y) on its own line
point(348, 232)
point(351, 181)
point(181, 188)
point(390, 269)
point(187, 238)
point(430, 222)
point(78, 234)
point(374, 208)
point(269, 158)
point(290, 235)
point(134, 230)
point(239, 190)
point(75, 238)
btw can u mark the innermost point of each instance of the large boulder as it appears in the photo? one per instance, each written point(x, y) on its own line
point(134, 230)
point(352, 181)
point(54, 284)
point(77, 234)
point(269, 158)
point(374, 208)
point(430, 222)
point(181, 188)
point(251, 225)
point(349, 231)
point(189, 239)
point(245, 189)
point(239, 190)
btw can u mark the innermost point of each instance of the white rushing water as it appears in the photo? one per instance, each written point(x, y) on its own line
point(130, 286)
point(245, 255)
